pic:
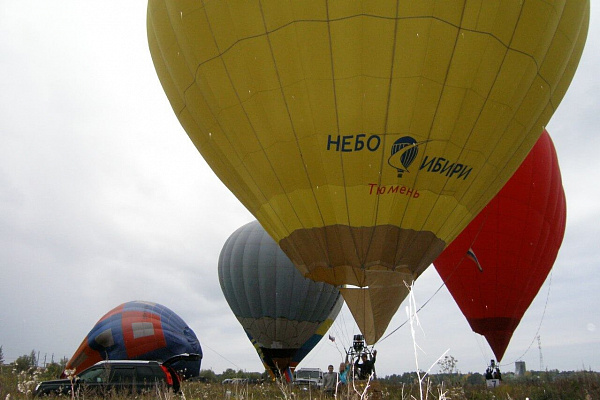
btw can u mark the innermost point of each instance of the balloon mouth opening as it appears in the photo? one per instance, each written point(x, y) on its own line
point(353, 287)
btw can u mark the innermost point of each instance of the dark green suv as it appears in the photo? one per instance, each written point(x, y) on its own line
point(130, 376)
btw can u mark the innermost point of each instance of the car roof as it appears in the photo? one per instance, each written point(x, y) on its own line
point(127, 362)
point(178, 357)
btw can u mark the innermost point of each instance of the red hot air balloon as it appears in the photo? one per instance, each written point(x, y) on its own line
point(496, 266)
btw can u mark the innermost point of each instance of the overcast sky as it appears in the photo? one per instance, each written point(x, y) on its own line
point(104, 200)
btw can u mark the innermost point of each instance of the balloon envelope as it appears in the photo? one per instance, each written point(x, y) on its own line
point(365, 135)
point(284, 314)
point(496, 266)
point(139, 330)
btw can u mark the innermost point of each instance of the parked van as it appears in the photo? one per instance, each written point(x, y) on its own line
point(309, 377)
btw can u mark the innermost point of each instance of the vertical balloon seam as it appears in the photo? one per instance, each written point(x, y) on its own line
point(338, 131)
point(577, 48)
point(245, 266)
point(266, 156)
point(339, 227)
point(556, 225)
point(241, 103)
point(226, 272)
point(521, 252)
point(263, 257)
point(236, 283)
point(308, 302)
point(491, 88)
point(539, 66)
point(287, 108)
point(298, 285)
point(429, 132)
point(376, 205)
point(518, 253)
point(337, 303)
point(552, 222)
point(431, 124)
point(318, 298)
point(459, 28)
point(574, 46)
point(251, 268)
point(282, 300)
point(248, 265)
point(542, 241)
point(221, 271)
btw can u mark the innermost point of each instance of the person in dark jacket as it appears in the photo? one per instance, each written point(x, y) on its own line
point(364, 366)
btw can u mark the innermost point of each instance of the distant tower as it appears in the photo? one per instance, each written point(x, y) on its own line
point(540, 349)
point(520, 368)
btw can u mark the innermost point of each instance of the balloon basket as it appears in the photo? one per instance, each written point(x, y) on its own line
point(492, 383)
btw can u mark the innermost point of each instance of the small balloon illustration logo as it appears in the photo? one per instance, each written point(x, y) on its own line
point(404, 152)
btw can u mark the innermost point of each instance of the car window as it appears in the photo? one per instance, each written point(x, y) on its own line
point(122, 375)
point(97, 375)
point(145, 374)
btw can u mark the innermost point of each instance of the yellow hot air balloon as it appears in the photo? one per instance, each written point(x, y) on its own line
point(365, 135)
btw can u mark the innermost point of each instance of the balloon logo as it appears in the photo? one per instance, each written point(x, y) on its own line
point(404, 152)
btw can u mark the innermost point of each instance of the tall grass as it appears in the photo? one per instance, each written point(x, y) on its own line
point(582, 385)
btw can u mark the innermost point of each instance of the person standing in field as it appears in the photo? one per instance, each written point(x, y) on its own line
point(329, 381)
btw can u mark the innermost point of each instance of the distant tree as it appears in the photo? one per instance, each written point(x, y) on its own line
point(265, 376)
point(475, 379)
point(393, 379)
point(53, 370)
point(1, 356)
point(448, 365)
point(208, 375)
point(409, 378)
point(63, 362)
point(229, 373)
point(23, 363)
point(26, 362)
point(254, 376)
point(33, 358)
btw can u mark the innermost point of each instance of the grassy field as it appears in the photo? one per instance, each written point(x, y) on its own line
point(584, 385)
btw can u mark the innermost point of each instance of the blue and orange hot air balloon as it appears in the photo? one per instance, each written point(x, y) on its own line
point(496, 266)
point(298, 106)
point(139, 330)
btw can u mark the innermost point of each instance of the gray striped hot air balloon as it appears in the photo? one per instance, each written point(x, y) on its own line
point(284, 314)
